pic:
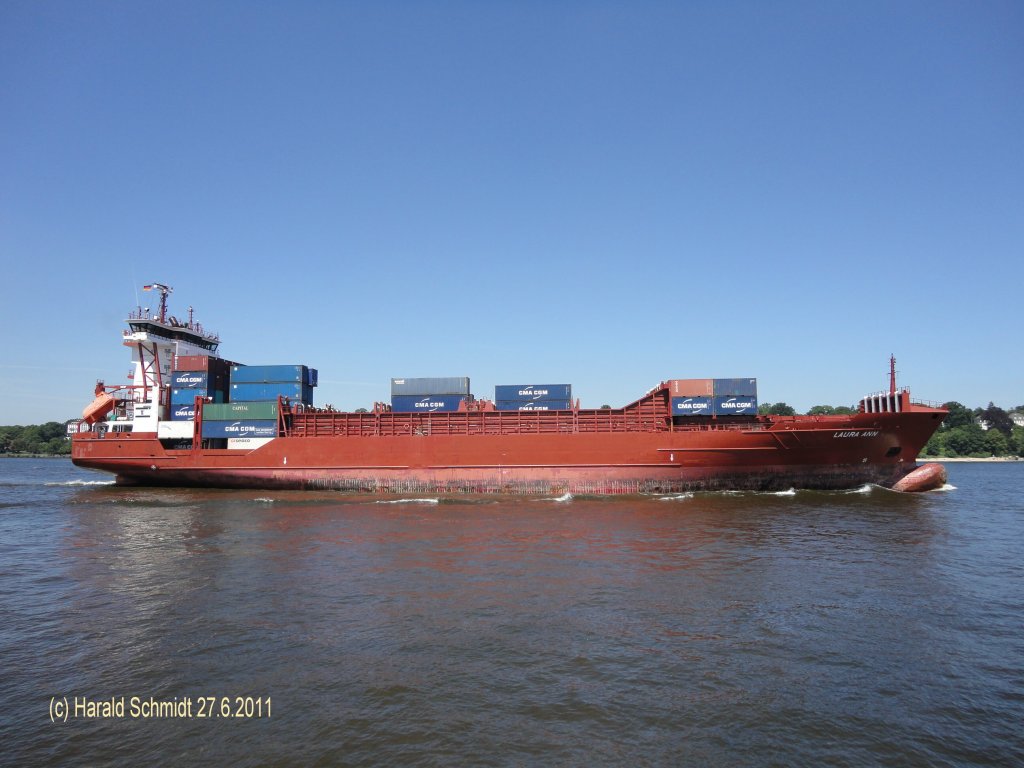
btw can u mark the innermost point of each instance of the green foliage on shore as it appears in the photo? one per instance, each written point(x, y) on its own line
point(831, 410)
point(961, 434)
point(776, 409)
point(49, 439)
point(785, 409)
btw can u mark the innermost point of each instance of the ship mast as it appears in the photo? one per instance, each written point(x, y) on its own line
point(892, 374)
point(165, 290)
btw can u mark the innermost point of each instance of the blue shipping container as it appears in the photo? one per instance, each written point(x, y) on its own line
point(735, 406)
point(184, 396)
point(183, 412)
point(692, 406)
point(189, 380)
point(268, 374)
point(312, 376)
point(427, 404)
point(443, 385)
point(240, 428)
point(247, 392)
point(742, 387)
point(509, 392)
point(533, 405)
point(188, 396)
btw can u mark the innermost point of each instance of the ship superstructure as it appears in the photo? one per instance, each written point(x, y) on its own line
point(155, 339)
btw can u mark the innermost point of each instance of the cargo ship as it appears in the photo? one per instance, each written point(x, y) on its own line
point(191, 418)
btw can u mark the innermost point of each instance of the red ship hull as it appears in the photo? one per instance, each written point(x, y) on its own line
point(766, 453)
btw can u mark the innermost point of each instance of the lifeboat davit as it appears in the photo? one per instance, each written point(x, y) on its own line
point(98, 408)
point(927, 477)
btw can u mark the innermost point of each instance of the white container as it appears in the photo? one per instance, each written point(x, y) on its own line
point(248, 443)
point(175, 430)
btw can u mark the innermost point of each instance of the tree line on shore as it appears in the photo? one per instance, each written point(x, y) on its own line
point(49, 439)
point(961, 433)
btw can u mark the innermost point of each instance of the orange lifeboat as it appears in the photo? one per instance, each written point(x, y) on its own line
point(98, 408)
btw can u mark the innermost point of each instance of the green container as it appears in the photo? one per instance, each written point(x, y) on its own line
point(236, 411)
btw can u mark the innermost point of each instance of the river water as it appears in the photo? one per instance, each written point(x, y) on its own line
point(808, 628)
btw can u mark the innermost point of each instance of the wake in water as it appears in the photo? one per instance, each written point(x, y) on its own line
point(563, 497)
point(864, 489)
point(82, 482)
point(65, 483)
point(788, 492)
point(409, 501)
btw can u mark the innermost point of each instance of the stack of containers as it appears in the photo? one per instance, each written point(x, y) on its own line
point(692, 397)
point(197, 375)
point(426, 395)
point(533, 397)
point(249, 422)
point(254, 383)
point(735, 397)
point(713, 397)
point(249, 419)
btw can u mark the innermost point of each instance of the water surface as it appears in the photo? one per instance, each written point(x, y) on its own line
point(804, 628)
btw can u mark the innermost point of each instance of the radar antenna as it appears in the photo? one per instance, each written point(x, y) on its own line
point(165, 291)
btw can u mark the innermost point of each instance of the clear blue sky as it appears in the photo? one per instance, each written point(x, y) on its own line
point(605, 194)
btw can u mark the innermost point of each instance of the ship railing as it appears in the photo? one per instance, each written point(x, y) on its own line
point(886, 393)
point(740, 426)
point(326, 424)
point(649, 414)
